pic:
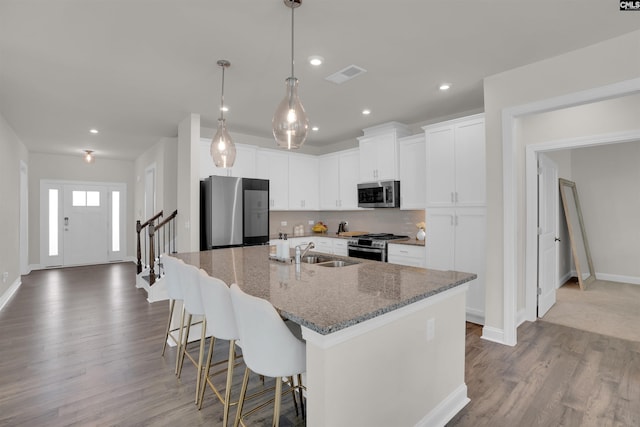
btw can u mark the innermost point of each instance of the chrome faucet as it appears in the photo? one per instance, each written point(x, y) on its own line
point(299, 255)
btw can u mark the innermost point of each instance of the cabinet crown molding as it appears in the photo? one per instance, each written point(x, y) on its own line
point(385, 128)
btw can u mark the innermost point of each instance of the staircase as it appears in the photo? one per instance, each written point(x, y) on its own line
point(155, 236)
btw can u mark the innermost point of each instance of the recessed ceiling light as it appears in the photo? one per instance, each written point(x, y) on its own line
point(445, 86)
point(316, 60)
point(366, 112)
point(93, 131)
point(315, 128)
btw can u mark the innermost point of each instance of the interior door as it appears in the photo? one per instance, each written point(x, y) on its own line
point(84, 224)
point(547, 233)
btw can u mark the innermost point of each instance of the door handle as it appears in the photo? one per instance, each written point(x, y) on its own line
point(557, 239)
point(66, 221)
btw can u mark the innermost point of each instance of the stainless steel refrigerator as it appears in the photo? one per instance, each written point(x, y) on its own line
point(233, 212)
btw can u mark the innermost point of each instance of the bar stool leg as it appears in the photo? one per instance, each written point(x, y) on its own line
point(179, 346)
point(276, 404)
point(243, 393)
point(172, 305)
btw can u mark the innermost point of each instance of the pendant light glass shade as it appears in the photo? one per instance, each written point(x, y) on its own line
point(223, 150)
point(290, 122)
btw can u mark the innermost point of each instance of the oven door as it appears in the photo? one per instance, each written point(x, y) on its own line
point(374, 254)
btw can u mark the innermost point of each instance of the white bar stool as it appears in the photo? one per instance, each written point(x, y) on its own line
point(268, 347)
point(172, 278)
point(221, 324)
point(192, 307)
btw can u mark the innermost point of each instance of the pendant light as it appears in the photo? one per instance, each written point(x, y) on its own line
point(290, 122)
point(223, 150)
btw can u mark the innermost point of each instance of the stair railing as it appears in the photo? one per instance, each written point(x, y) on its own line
point(163, 237)
point(141, 251)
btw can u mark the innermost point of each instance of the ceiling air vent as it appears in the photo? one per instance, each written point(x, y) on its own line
point(346, 74)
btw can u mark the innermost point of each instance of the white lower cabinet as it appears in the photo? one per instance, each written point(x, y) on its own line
point(340, 247)
point(323, 245)
point(413, 256)
point(456, 240)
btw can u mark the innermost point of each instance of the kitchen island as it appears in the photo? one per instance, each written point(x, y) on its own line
point(385, 342)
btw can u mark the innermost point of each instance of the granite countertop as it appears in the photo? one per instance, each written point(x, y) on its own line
point(325, 299)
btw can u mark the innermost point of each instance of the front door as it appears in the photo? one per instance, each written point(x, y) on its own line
point(82, 223)
point(547, 233)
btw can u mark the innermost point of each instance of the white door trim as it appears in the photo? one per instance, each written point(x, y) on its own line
point(510, 162)
point(24, 218)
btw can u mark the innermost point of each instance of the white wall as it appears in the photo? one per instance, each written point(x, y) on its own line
point(605, 63)
point(12, 151)
point(73, 168)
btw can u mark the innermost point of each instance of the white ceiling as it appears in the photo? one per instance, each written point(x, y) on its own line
point(135, 68)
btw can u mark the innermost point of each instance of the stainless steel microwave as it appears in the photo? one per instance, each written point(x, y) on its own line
point(380, 194)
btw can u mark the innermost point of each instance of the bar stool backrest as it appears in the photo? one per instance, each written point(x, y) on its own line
point(218, 311)
point(191, 284)
point(268, 346)
point(172, 266)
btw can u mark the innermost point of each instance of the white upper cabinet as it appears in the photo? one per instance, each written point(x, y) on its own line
point(274, 166)
point(244, 165)
point(303, 182)
point(412, 172)
point(455, 163)
point(339, 177)
point(379, 159)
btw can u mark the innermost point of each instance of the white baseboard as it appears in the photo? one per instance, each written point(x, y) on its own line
point(618, 278)
point(5, 297)
point(490, 333)
point(447, 409)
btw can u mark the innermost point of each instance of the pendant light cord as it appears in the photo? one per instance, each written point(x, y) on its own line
point(222, 95)
point(292, 75)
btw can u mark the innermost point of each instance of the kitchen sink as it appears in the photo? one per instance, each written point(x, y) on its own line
point(336, 263)
point(324, 261)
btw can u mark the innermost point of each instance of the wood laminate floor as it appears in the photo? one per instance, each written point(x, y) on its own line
point(81, 346)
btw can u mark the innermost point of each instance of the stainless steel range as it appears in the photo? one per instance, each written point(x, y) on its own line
point(372, 246)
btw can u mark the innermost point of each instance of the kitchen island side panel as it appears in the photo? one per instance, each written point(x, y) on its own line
point(404, 368)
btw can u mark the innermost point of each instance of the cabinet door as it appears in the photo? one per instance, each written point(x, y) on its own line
point(330, 182)
point(413, 256)
point(440, 166)
point(245, 164)
point(470, 250)
point(324, 245)
point(412, 172)
point(470, 164)
point(440, 239)
point(368, 160)
point(340, 247)
point(349, 178)
point(274, 166)
point(303, 182)
point(387, 157)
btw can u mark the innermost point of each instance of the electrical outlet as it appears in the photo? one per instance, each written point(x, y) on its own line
point(311, 222)
point(283, 223)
